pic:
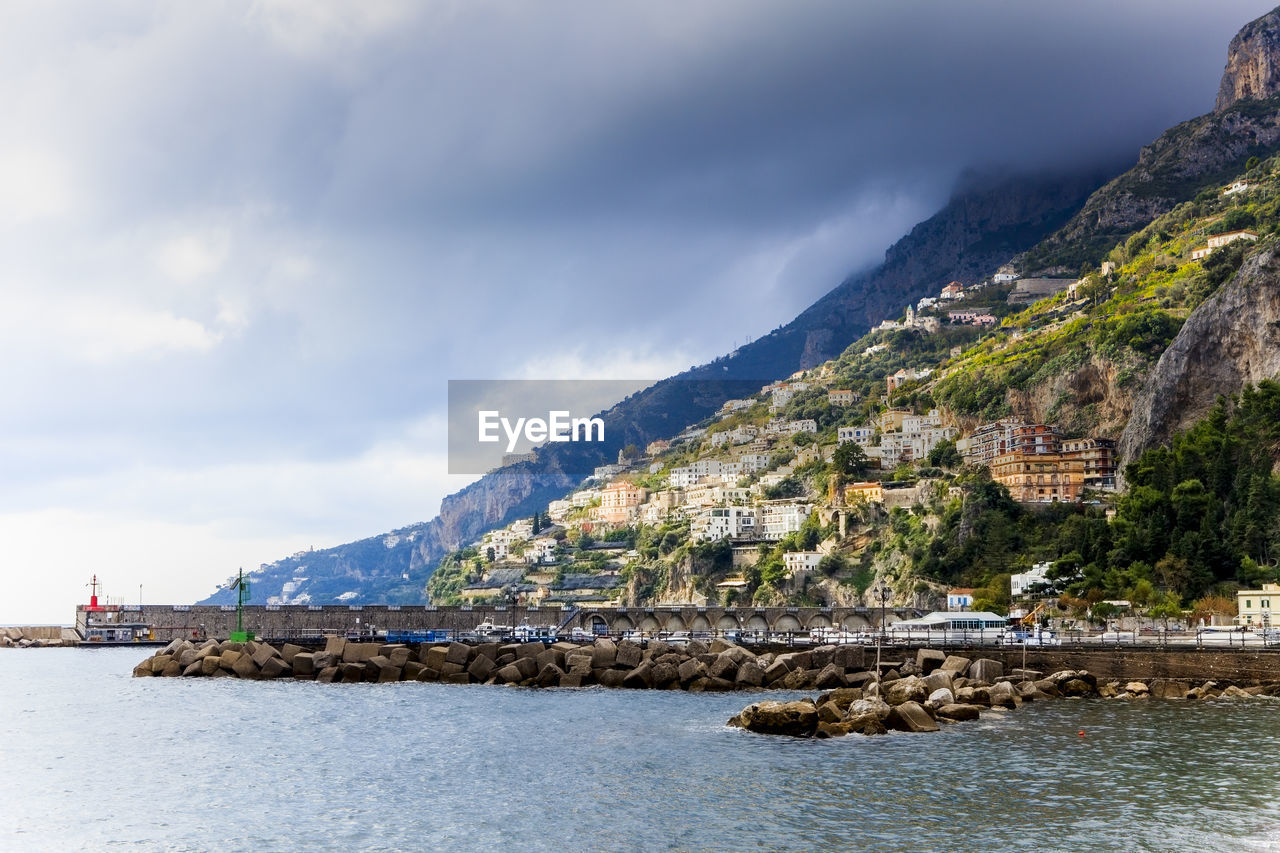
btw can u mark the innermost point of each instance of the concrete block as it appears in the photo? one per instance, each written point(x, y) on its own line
point(264, 653)
point(910, 717)
point(328, 675)
point(276, 668)
point(629, 654)
point(604, 654)
point(304, 664)
point(289, 651)
point(244, 667)
point(459, 653)
point(433, 656)
point(927, 660)
point(529, 650)
point(955, 664)
point(335, 645)
point(481, 668)
point(986, 670)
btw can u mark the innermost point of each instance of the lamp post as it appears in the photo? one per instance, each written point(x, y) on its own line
point(883, 593)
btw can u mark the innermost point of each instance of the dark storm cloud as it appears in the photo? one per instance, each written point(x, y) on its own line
point(760, 113)
point(246, 245)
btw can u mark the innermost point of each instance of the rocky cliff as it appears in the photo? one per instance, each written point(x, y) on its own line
point(1253, 63)
point(1198, 153)
point(1230, 340)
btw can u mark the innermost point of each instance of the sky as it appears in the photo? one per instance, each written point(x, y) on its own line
point(245, 245)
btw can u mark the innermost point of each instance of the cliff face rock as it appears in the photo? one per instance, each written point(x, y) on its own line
point(1253, 63)
point(1203, 151)
point(1088, 400)
point(1245, 123)
point(1229, 341)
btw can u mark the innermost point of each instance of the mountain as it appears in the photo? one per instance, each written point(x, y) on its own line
point(1039, 224)
point(983, 225)
point(1201, 152)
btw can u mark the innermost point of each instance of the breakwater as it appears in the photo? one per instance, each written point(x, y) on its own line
point(722, 666)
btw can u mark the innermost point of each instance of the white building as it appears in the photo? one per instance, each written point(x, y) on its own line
point(801, 564)
point(862, 435)
point(779, 518)
point(753, 463)
point(734, 522)
point(695, 472)
point(1020, 583)
point(541, 550)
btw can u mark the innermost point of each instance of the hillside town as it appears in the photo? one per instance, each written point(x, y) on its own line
point(743, 483)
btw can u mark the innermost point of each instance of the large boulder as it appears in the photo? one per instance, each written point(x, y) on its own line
point(691, 670)
point(481, 668)
point(665, 675)
point(550, 675)
point(629, 654)
point(750, 674)
point(955, 664)
point(938, 680)
point(986, 670)
point(796, 719)
point(777, 671)
point(842, 696)
point(604, 654)
point(723, 666)
point(1002, 695)
point(864, 713)
point(830, 676)
point(927, 660)
point(909, 689)
point(941, 696)
point(910, 717)
point(1168, 688)
point(263, 653)
point(639, 678)
point(304, 664)
point(958, 712)
point(275, 667)
point(458, 653)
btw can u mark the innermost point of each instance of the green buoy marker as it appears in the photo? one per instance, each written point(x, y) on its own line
point(240, 635)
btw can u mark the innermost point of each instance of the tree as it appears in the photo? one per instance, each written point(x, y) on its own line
point(490, 554)
point(945, 455)
point(850, 459)
point(1211, 606)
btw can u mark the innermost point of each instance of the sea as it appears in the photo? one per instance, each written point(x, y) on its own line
point(92, 759)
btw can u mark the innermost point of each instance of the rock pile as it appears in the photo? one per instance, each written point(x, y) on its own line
point(714, 666)
point(956, 690)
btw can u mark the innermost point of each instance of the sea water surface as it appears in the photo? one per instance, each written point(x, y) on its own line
point(94, 760)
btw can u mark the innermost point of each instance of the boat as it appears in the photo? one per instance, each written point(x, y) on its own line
point(1032, 637)
point(1229, 635)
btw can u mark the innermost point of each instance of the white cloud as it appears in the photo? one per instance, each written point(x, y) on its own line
point(192, 256)
point(35, 185)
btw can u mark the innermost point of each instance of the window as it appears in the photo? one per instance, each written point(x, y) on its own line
point(1248, 603)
